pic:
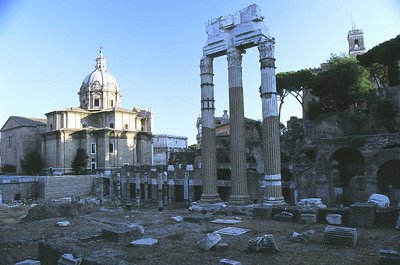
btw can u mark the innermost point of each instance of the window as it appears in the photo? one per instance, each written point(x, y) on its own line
point(111, 125)
point(10, 141)
point(51, 127)
point(126, 126)
point(111, 148)
point(96, 102)
point(93, 159)
point(111, 103)
point(93, 148)
point(93, 165)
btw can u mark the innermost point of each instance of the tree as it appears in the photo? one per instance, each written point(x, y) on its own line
point(293, 83)
point(80, 161)
point(194, 147)
point(345, 82)
point(32, 163)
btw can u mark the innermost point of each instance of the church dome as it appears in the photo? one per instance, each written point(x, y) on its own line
point(99, 89)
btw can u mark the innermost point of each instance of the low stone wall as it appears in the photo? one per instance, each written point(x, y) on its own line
point(18, 187)
point(51, 187)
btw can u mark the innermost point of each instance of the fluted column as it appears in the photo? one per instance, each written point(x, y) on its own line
point(271, 144)
point(239, 192)
point(208, 147)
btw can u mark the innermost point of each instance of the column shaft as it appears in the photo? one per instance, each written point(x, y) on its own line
point(208, 146)
point(271, 142)
point(239, 192)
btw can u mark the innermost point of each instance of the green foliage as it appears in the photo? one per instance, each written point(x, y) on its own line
point(343, 84)
point(385, 115)
point(293, 81)
point(194, 147)
point(7, 168)
point(315, 108)
point(388, 54)
point(32, 163)
point(80, 161)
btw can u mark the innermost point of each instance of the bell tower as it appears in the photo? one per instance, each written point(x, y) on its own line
point(355, 37)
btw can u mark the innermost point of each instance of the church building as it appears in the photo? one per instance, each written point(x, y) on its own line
point(112, 136)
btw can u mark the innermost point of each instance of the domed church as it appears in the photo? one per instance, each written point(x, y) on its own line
point(112, 136)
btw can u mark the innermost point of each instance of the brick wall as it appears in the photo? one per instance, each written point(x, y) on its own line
point(51, 187)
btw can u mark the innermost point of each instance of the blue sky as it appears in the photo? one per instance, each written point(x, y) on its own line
point(153, 48)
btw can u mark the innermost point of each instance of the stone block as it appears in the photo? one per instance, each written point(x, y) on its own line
point(221, 246)
point(122, 234)
point(362, 214)
point(389, 257)
point(339, 235)
point(229, 262)
point(386, 217)
point(208, 241)
point(379, 199)
point(68, 259)
point(344, 212)
point(307, 218)
point(262, 213)
point(334, 219)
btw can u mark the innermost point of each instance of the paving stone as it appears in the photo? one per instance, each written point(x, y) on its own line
point(229, 262)
point(145, 242)
point(232, 231)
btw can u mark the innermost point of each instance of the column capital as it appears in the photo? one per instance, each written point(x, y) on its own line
point(206, 65)
point(234, 57)
point(266, 49)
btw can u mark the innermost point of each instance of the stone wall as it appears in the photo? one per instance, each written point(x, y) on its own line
point(51, 187)
point(12, 187)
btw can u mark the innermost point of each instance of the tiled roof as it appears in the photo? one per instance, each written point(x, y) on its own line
point(29, 122)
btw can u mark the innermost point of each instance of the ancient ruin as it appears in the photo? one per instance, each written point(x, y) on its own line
point(231, 35)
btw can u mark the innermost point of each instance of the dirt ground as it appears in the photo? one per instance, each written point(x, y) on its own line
point(178, 240)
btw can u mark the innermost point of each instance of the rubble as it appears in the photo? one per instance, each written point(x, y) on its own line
point(379, 199)
point(306, 236)
point(122, 234)
point(265, 243)
point(178, 218)
point(59, 209)
point(311, 203)
point(68, 259)
point(63, 223)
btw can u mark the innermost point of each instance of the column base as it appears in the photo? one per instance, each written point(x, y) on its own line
point(210, 198)
point(239, 199)
point(274, 200)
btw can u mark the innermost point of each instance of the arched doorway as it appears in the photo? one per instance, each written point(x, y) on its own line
point(348, 167)
point(389, 180)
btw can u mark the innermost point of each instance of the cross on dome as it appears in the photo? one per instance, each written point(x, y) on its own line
point(101, 61)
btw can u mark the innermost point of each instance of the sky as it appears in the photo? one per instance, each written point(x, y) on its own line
point(153, 48)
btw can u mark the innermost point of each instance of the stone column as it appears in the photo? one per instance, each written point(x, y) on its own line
point(271, 142)
point(239, 192)
point(208, 147)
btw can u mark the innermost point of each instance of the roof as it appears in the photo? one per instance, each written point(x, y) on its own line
point(26, 122)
